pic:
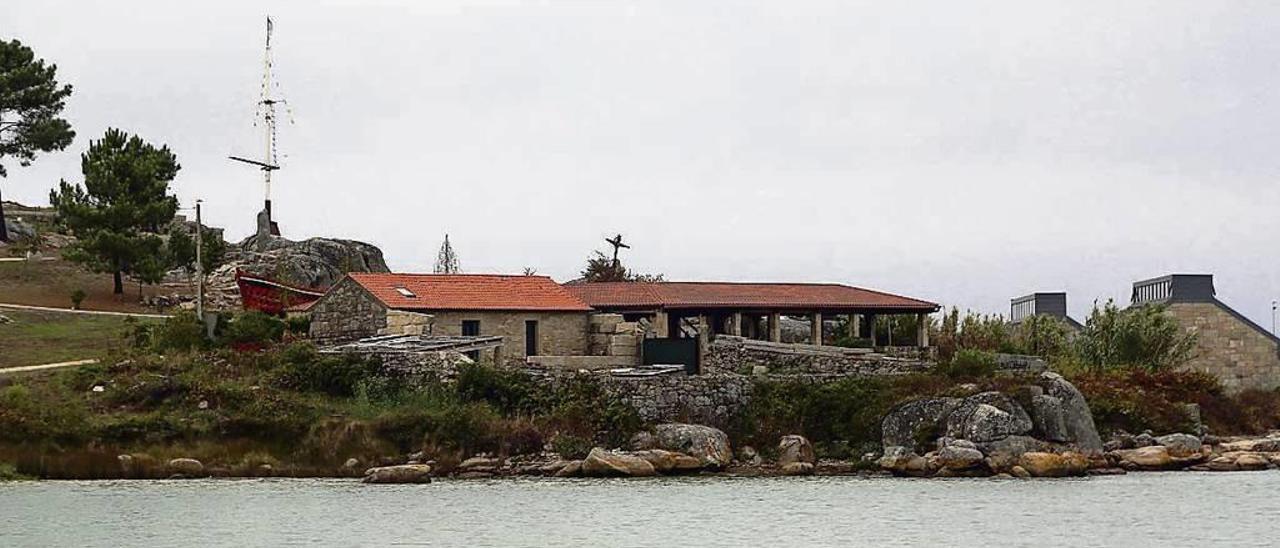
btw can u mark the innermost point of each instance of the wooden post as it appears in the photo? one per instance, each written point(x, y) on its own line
point(815, 328)
point(775, 327)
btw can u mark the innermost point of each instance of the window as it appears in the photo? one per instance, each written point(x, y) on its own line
point(531, 337)
point(471, 328)
point(405, 291)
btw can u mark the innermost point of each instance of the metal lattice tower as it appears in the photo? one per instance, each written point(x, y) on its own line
point(269, 97)
point(447, 260)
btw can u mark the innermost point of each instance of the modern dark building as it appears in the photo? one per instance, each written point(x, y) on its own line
point(1042, 304)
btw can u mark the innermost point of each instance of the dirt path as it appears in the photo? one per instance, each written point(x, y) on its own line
point(92, 312)
point(44, 367)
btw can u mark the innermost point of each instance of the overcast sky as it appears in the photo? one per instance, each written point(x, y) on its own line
point(961, 152)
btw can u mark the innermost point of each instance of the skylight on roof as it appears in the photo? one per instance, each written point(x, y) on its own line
point(407, 293)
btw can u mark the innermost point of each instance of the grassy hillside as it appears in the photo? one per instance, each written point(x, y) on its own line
point(51, 282)
point(44, 337)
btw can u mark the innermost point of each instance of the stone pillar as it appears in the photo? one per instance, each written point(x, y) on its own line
point(815, 328)
point(922, 330)
point(775, 327)
point(735, 324)
point(497, 356)
point(871, 328)
point(855, 326)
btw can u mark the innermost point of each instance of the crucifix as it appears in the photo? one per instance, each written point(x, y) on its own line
point(617, 244)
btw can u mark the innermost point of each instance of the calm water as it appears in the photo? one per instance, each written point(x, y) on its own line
point(1174, 509)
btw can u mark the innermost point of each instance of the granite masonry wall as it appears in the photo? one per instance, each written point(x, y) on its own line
point(347, 313)
point(1229, 348)
point(738, 355)
point(559, 333)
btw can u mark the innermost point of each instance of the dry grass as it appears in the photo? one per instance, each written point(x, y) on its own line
point(50, 283)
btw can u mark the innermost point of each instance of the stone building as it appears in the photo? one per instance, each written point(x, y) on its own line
point(1239, 352)
point(533, 314)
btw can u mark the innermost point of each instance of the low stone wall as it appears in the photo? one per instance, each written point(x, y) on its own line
point(738, 355)
point(703, 399)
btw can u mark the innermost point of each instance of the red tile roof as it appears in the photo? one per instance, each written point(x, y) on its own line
point(469, 292)
point(795, 296)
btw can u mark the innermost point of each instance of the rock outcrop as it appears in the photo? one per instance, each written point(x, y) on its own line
point(404, 473)
point(314, 263)
point(992, 433)
point(795, 448)
point(190, 468)
point(601, 463)
point(709, 445)
point(1076, 417)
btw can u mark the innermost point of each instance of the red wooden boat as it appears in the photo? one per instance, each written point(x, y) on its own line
point(274, 297)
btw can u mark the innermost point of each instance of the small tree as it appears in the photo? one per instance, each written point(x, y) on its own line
point(116, 215)
point(30, 101)
point(602, 268)
point(1138, 336)
point(1042, 335)
point(182, 249)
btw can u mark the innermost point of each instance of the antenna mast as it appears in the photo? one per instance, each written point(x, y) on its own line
point(267, 113)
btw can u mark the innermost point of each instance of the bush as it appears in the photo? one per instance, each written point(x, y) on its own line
point(572, 447)
point(306, 370)
point(9, 473)
point(842, 416)
point(508, 390)
point(77, 297)
point(255, 328)
point(969, 364)
point(1139, 400)
point(298, 325)
point(1138, 336)
point(182, 332)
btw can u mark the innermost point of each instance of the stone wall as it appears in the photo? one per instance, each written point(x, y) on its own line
point(702, 399)
point(403, 322)
point(1228, 348)
point(347, 313)
point(737, 355)
point(559, 333)
point(609, 335)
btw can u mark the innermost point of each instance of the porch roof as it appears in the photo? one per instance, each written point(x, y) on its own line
point(742, 295)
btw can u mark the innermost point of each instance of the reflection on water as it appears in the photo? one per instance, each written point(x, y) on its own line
point(1170, 509)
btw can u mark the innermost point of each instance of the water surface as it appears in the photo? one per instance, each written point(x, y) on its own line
point(1166, 509)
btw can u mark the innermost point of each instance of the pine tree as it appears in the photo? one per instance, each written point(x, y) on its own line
point(446, 259)
point(30, 101)
point(118, 213)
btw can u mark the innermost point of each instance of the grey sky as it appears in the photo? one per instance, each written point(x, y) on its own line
point(963, 152)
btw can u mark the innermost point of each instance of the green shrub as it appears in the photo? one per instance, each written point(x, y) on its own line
point(571, 447)
point(843, 416)
point(1138, 336)
point(305, 369)
point(508, 390)
point(969, 364)
point(182, 332)
point(52, 413)
point(254, 328)
point(9, 473)
point(298, 325)
point(77, 297)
